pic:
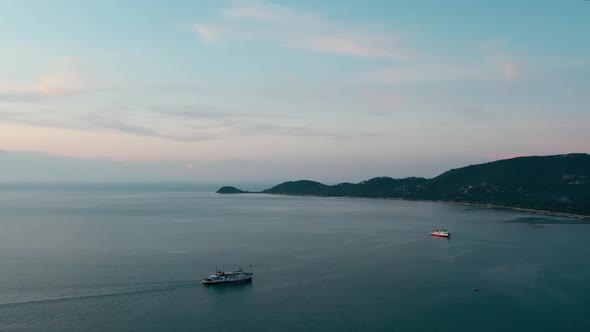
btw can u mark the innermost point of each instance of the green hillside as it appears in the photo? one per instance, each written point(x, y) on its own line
point(559, 183)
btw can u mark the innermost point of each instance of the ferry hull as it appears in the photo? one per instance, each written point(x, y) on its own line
point(441, 235)
point(218, 282)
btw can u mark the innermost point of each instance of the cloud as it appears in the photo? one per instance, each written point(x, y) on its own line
point(425, 73)
point(493, 65)
point(122, 126)
point(363, 46)
point(207, 33)
point(300, 131)
point(100, 120)
point(227, 128)
point(64, 79)
point(193, 111)
point(211, 112)
point(282, 26)
point(506, 65)
point(57, 85)
point(266, 12)
point(40, 117)
point(11, 95)
point(174, 123)
point(38, 121)
point(286, 27)
point(509, 68)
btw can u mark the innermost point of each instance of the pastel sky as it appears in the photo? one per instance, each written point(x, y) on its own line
point(330, 90)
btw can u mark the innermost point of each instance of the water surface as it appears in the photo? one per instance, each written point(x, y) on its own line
point(129, 258)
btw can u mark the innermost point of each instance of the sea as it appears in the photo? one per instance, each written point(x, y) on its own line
point(130, 257)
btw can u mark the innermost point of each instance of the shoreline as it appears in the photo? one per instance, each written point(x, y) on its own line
point(511, 208)
point(478, 205)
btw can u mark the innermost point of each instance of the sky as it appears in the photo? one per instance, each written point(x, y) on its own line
point(272, 90)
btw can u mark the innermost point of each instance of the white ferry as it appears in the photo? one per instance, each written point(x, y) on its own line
point(441, 233)
point(221, 277)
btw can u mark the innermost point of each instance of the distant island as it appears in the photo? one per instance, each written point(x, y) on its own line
point(230, 190)
point(551, 184)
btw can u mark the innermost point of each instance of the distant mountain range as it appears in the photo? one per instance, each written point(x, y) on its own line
point(559, 183)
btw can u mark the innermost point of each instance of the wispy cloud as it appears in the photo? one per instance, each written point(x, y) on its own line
point(424, 73)
point(492, 65)
point(207, 33)
point(122, 126)
point(211, 112)
point(174, 123)
point(38, 120)
point(300, 131)
point(287, 27)
point(282, 26)
point(57, 85)
point(492, 62)
point(509, 68)
point(357, 45)
point(65, 79)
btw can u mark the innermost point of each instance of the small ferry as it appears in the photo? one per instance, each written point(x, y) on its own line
point(441, 233)
point(221, 277)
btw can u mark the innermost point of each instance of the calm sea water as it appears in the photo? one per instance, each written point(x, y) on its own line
point(129, 258)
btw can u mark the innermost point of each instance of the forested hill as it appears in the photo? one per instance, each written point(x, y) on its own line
point(559, 183)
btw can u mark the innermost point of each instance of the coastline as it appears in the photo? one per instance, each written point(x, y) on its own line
point(502, 207)
point(478, 205)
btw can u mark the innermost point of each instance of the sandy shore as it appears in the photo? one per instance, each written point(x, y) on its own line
point(484, 206)
point(502, 207)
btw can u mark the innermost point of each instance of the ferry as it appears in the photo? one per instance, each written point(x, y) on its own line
point(441, 233)
point(221, 277)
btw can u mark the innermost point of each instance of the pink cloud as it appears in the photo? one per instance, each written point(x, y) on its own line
point(356, 46)
point(509, 68)
point(511, 71)
point(286, 27)
point(207, 33)
point(56, 85)
point(64, 79)
point(264, 12)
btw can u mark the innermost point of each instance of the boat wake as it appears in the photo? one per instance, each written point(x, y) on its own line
point(88, 305)
point(146, 288)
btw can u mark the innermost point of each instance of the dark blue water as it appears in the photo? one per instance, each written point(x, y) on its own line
point(129, 258)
